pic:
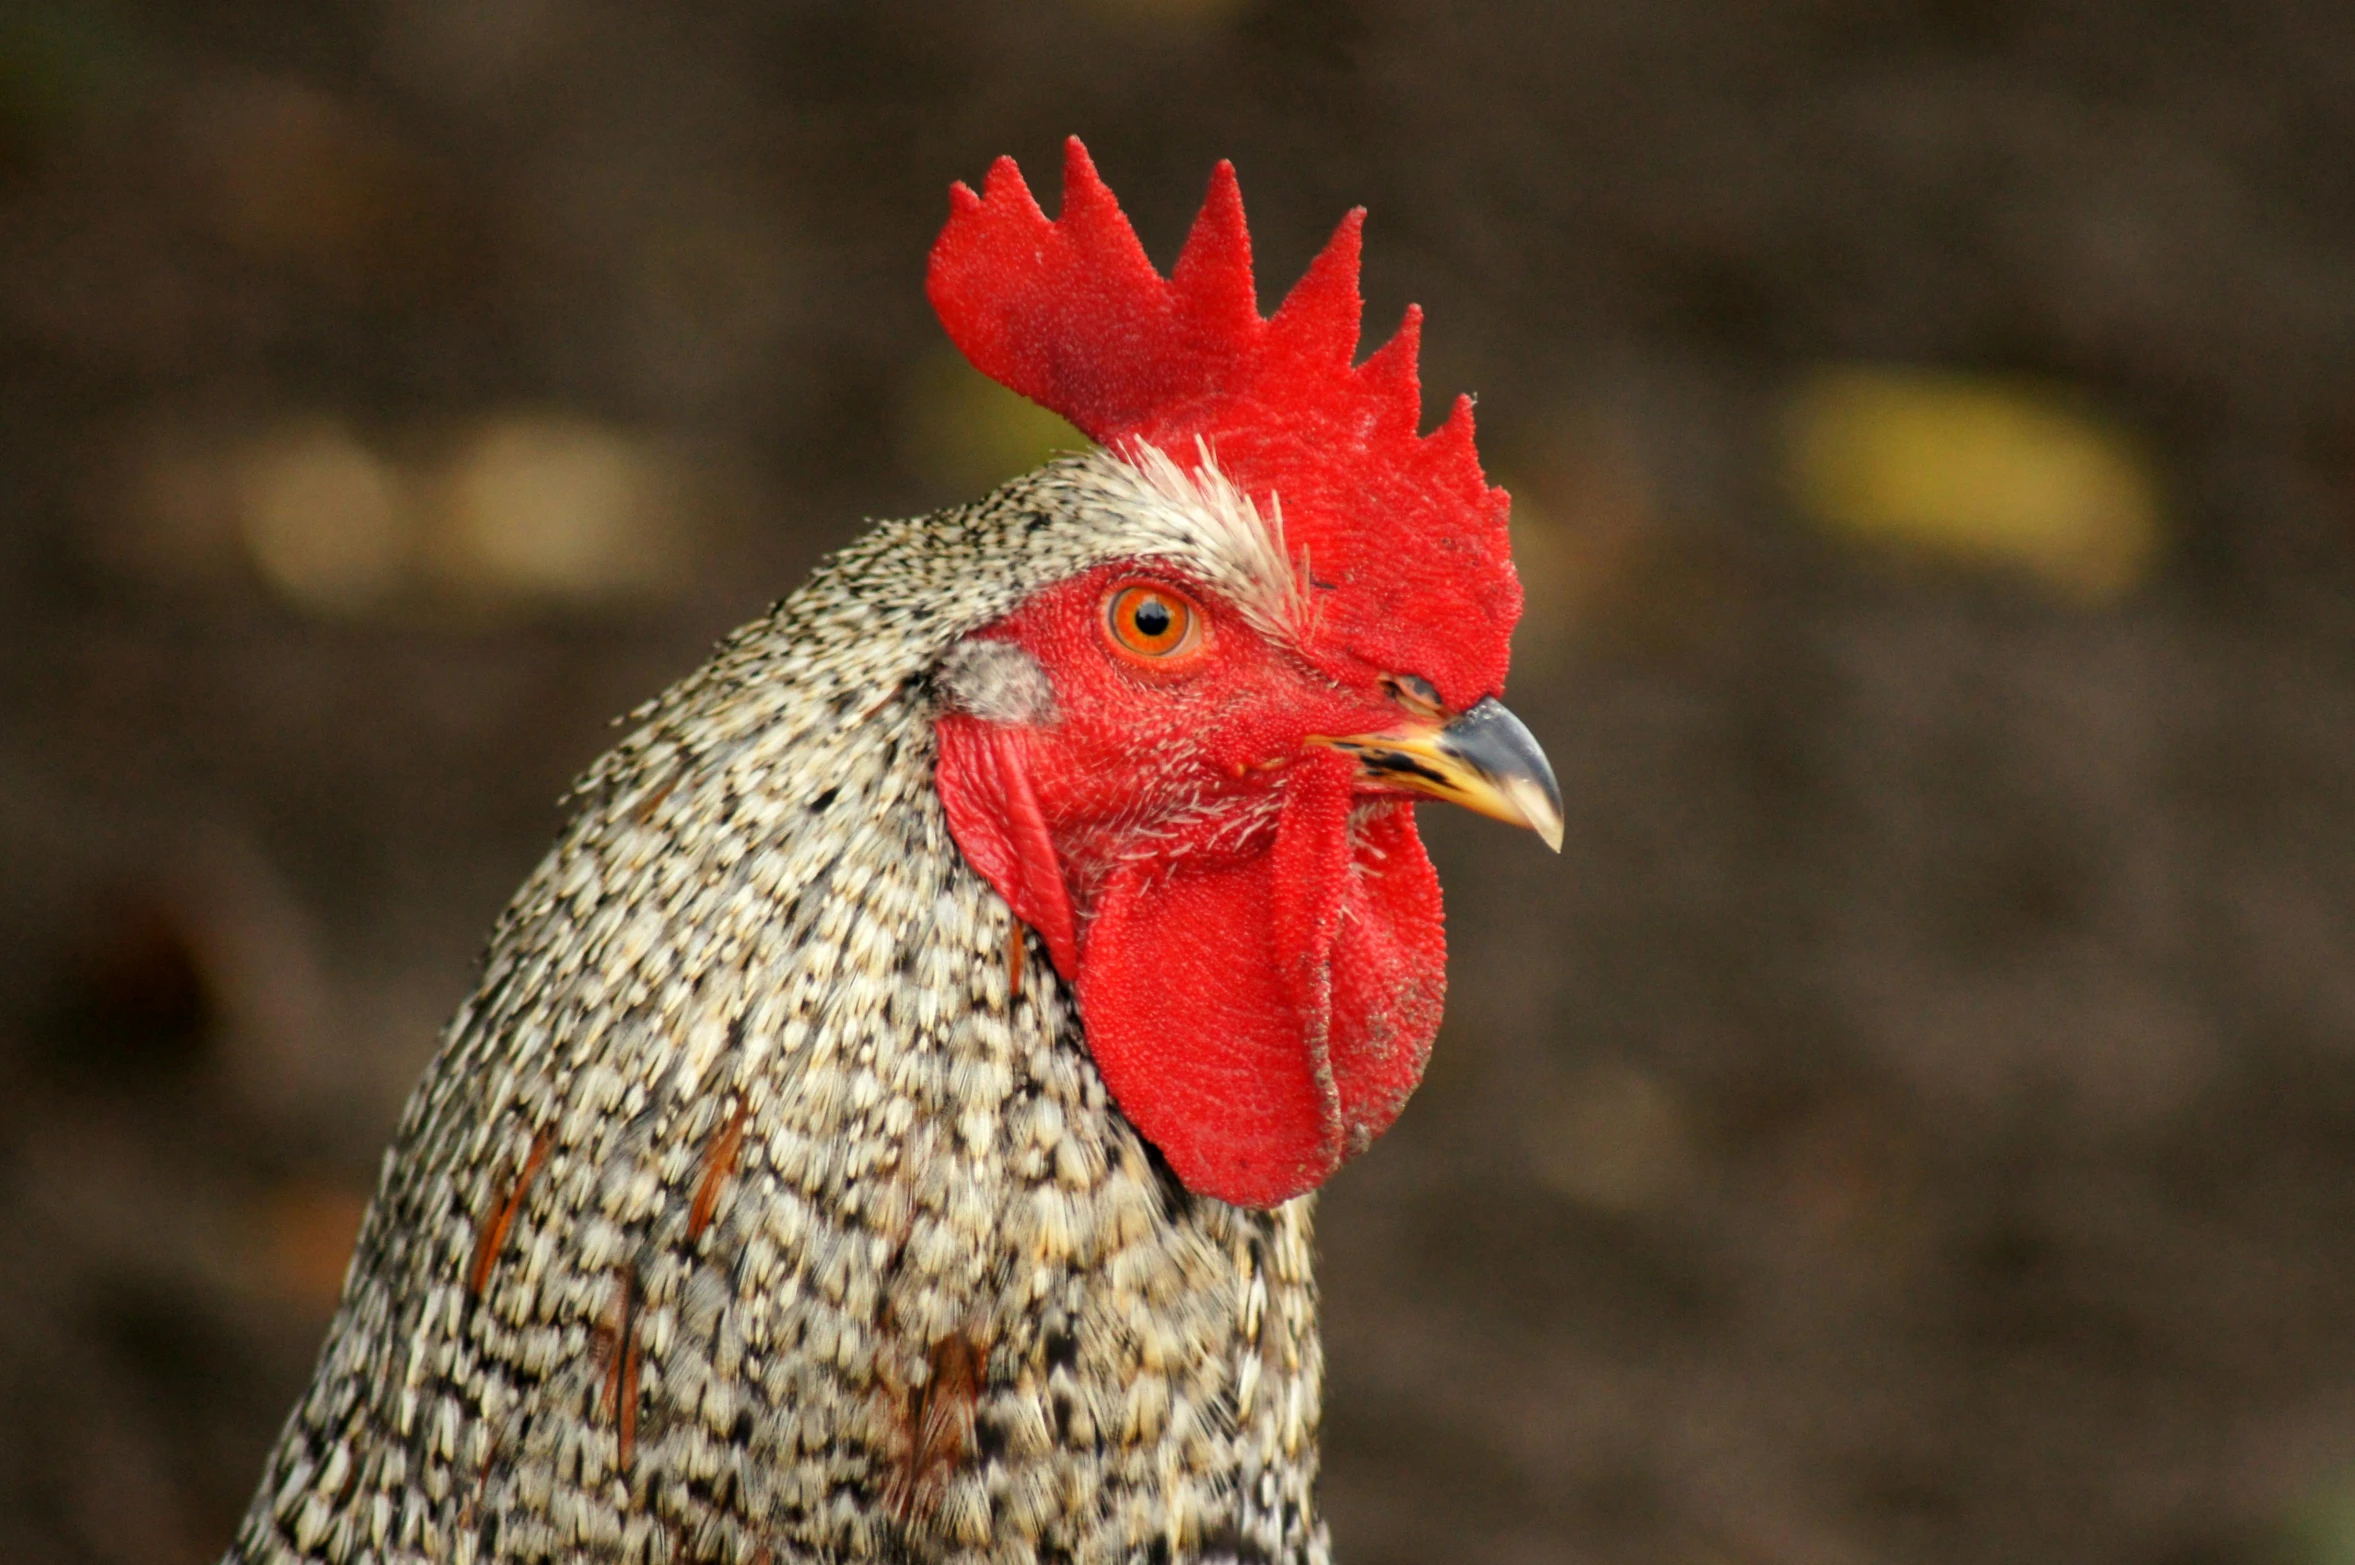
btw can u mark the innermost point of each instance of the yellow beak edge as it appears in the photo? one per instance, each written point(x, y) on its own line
point(1484, 760)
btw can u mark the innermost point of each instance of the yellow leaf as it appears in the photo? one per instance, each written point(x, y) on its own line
point(1975, 469)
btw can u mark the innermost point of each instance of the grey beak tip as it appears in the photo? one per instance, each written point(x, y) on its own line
point(1502, 746)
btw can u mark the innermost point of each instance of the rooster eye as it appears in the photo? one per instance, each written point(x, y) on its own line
point(1150, 622)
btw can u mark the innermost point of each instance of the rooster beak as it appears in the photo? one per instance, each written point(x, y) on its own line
point(1484, 760)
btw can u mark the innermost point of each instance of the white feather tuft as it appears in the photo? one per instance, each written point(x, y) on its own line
point(1205, 520)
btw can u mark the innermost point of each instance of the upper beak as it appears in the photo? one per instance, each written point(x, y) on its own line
point(1484, 760)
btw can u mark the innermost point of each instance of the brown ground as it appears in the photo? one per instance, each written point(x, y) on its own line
point(1915, 1119)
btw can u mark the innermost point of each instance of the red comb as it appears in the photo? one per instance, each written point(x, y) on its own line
point(1072, 314)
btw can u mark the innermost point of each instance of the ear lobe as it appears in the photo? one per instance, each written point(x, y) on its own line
point(983, 775)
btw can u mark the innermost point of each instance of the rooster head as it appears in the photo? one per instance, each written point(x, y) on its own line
point(1190, 764)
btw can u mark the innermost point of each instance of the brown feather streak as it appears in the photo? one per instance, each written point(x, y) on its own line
point(621, 1370)
point(494, 1233)
point(643, 813)
point(939, 1426)
point(719, 1165)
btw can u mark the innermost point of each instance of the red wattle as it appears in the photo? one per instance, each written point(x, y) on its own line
point(1389, 966)
point(1260, 1019)
point(1263, 1019)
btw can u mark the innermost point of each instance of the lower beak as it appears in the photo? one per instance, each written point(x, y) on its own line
point(1484, 760)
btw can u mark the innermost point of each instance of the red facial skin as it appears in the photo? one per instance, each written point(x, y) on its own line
point(1254, 935)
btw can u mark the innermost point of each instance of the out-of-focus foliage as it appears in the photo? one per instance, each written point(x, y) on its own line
point(1976, 470)
point(560, 508)
point(1912, 1120)
point(60, 60)
point(968, 434)
point(514, 512)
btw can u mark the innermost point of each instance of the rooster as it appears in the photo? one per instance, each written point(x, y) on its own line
point(888, 1122)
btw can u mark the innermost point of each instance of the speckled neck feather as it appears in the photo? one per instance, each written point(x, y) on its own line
point(760, 1209)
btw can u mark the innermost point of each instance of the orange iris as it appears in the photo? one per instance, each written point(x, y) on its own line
point(1150, 622)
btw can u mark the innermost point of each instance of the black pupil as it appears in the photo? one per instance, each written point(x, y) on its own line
point(1152, 619)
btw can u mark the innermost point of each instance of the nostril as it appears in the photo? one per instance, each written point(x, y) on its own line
point(1415, 693)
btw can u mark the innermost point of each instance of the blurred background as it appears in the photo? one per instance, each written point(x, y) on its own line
point(1913, 1121)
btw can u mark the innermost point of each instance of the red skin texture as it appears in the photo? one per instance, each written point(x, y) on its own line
point(1254, 935)
point(1400, 529)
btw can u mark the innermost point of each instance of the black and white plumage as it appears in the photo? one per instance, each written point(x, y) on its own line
point(749, 1214)
point(769, 1203)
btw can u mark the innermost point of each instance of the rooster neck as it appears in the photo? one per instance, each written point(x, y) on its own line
point(752, 1202)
